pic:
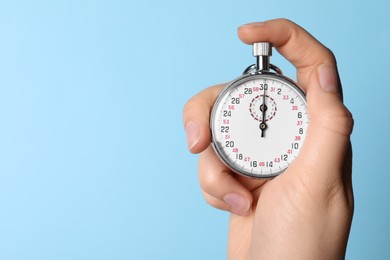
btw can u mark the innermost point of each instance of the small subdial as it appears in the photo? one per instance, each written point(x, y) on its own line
point(260, 104)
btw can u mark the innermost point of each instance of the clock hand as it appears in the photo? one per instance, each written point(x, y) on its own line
point(263, 108)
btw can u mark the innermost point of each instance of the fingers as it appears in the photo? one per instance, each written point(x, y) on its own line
point(324, 153)
point(220, 188)
point(331, 123)
point(196, 116)
point(292, 41)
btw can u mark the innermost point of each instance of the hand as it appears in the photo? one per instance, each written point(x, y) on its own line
point(306, 212)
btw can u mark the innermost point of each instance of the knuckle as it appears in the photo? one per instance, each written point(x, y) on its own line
point(207, 180)
point(214, 202)
point(329, 55)
point(339, 121)
point(189, 106)
point(286, 21)
point(210, 200)
point(201, 102)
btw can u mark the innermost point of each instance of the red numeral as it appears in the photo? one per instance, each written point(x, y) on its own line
point(299, 122)
point(285, 97)
point(231, 107)
point(277, 160)
point(227, 137)
point(235, 150)
point(289, 151)
point(297, 138)
point(294, 107)
point(241, 95)
point(255, 89)
point(226, 121)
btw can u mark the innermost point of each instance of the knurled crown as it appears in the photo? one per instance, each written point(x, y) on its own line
point(262, 49)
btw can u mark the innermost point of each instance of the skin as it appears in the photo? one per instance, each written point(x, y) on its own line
point(306, 212)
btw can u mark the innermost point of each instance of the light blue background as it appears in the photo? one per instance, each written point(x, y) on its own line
point(93, 159)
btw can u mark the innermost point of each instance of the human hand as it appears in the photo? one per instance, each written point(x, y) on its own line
point(306, 212)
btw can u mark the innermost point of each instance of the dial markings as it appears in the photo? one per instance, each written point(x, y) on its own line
point(238, 111)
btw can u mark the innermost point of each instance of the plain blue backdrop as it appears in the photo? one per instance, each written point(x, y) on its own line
point(93, 159)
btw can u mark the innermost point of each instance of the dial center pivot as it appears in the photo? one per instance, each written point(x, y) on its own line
point(263, 107)
point(260, 111)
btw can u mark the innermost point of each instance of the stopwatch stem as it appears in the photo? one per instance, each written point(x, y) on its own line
point(262, 63)
point(262, 51)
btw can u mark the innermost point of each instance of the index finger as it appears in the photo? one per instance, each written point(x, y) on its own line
point(292, 41)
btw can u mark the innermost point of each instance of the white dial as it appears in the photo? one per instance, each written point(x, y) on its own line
point(246, 142)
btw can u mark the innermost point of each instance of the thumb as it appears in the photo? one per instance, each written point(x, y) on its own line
point(196, 117)
point(327, 141)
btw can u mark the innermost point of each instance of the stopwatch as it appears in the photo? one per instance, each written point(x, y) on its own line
point(259, 120)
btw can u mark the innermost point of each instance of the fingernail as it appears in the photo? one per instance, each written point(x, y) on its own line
point(193, 134)
point(257, 24)
point(327, 75)
point(239, 205)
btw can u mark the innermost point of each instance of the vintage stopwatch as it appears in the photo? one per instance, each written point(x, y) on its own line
point(259, 120)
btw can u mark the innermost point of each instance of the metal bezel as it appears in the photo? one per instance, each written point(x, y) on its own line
point(229, 87)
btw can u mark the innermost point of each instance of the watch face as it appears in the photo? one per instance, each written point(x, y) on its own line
point(259, 124)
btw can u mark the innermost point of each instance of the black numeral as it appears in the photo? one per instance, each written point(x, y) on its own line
point(263, 87)
point(227, 113)
point(229, 144)
point(224, 129)
point(247, 91)
point(235, 101)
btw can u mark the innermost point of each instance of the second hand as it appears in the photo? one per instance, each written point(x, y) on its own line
point(263, 108)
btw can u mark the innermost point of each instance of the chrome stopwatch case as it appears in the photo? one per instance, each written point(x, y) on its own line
point(259, 120)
